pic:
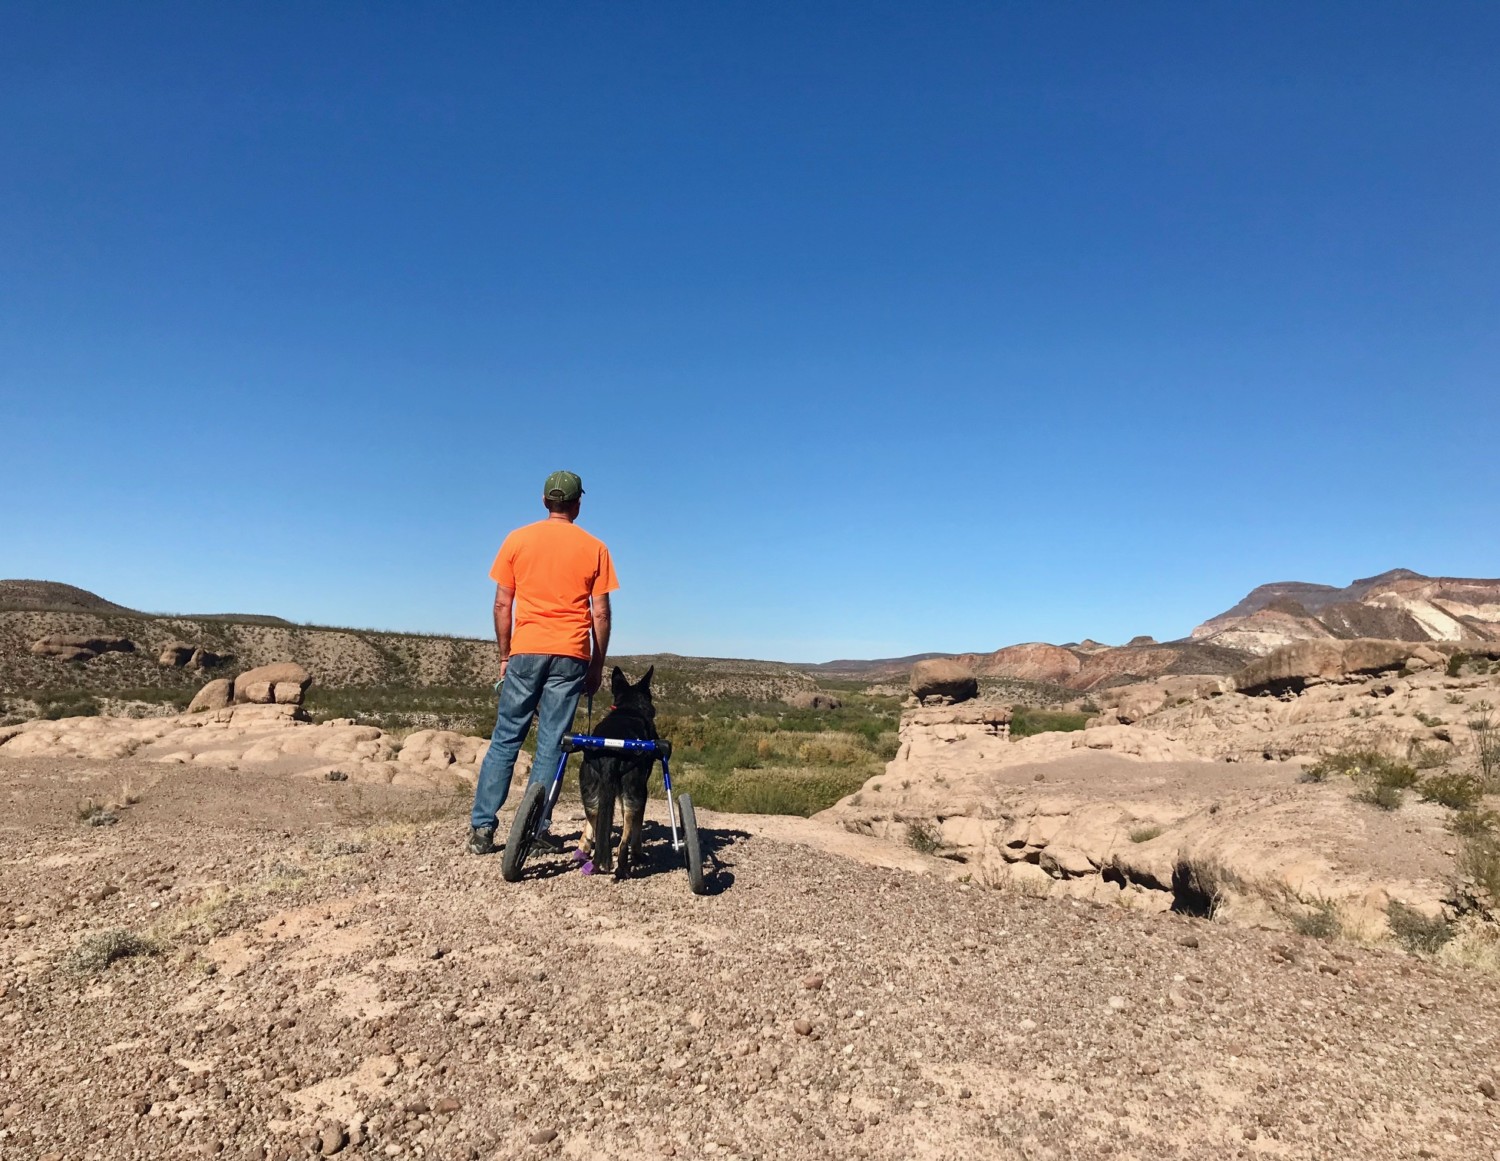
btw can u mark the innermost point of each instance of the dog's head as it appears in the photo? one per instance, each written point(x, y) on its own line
point(633, 699)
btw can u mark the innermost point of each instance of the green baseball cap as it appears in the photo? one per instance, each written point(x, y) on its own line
point(563, 486)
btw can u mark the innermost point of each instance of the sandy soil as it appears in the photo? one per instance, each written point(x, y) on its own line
point(336, 974)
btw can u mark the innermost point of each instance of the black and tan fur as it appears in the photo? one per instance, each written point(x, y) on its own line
point(606, 776)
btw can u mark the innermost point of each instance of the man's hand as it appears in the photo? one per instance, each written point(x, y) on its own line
point(594, 678)
point(504, 663)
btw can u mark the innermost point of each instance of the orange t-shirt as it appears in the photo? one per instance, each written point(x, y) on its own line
point(553, 567)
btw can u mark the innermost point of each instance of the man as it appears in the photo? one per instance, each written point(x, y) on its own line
point(552, 585)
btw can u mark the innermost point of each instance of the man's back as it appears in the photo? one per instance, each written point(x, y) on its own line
point(553, 567)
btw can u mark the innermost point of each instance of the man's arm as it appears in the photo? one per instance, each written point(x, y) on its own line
point(505, 600)
point(601, 644)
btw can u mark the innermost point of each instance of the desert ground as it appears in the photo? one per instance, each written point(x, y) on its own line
point(1189, 913)
point(266, 965)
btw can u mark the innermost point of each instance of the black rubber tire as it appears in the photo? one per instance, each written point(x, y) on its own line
point(690, 841)
point(522, 831)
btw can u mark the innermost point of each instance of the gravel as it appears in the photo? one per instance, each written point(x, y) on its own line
point(813, 1007)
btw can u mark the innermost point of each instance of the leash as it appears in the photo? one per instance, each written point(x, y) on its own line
point(591, 713)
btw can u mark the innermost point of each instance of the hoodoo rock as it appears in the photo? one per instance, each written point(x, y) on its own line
point(281, 683)
point(941, 677)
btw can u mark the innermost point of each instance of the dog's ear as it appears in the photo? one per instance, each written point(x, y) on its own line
point(645, 682)
point(619, 684)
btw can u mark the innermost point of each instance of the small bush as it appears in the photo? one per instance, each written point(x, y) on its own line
point(1416, 931)
point(1320, 921)
point(922, 838)
point(1459, 791)
point(1456, 664)
point(92, 813)
point(98, 951)
point(1475, 823)
point(1144, 834)
point(1378, 794)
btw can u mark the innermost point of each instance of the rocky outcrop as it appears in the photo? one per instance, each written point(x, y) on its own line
point(270, 737)
point(942, 678)
point(1140, 817)
point(78, 647)
point(176, 655)
point(1292, 668)
point(282, 683)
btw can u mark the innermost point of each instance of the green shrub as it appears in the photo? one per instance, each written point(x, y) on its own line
point(98, 951)
point(1459, 791)
point(1380, 780)
point(1416, 931)
point(1026, 721)
point(1319, 921)
point(1456, 664)
point(922, 837)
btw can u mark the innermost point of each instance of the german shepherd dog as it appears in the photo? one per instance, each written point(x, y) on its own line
point(606, 776)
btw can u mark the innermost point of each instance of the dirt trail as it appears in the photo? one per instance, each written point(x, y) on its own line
point(339, 975)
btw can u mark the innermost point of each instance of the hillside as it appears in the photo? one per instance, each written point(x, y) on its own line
point(51, 595)
point(1399, 605)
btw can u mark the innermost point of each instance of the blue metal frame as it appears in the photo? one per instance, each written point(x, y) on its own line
point(584, 743)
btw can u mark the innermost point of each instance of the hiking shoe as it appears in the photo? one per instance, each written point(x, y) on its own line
point(482, 840)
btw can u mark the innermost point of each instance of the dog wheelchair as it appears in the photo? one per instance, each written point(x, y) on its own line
point(540, 798)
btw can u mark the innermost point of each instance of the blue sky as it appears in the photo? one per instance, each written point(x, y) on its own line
point(872, 328)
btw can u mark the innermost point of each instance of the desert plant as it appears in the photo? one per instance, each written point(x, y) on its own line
point(1454, 698)
point(1416, 931)
point(1459, 791)
point(1456, 664)
point(922, 838)
point(1380, 779)
point(1486, 743)
point(1478, 869)
point(1144, 834)
point(98, 951)
point(92, 813)
point(1320, 920)
point(1424, 756)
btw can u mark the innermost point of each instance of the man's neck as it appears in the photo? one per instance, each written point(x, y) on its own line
point(563, 516)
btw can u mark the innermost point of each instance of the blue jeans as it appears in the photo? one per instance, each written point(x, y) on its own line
point(535, 683)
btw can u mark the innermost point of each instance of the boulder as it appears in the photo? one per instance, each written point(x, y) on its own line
point(203, 659)
point(254, 692)
point(216, 695)
point(286, 693)
point(258, 685)
point(812, 699)
point(941, 677)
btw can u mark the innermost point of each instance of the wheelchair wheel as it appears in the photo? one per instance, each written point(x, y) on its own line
point(690, 841)
point(523, 831)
